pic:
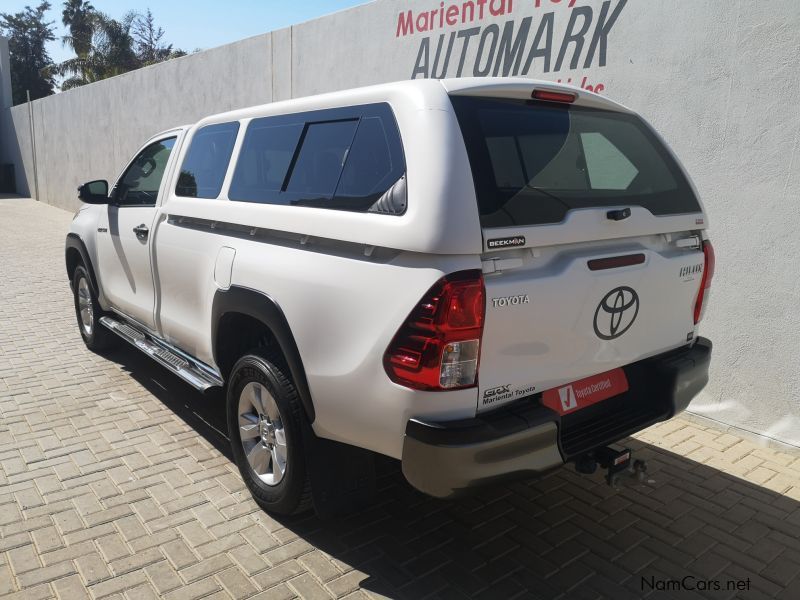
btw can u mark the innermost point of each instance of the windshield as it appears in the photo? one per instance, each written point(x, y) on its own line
point(532, 162)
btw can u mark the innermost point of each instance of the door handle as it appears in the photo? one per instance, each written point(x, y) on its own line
point(141, 232)
point(618, 215)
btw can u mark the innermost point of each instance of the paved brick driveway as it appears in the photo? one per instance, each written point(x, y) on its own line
point(115, 482)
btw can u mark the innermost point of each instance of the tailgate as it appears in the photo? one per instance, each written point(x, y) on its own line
point(561, 313)
point(592, 241)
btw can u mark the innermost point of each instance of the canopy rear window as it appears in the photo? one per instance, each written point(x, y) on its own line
point(532, 162)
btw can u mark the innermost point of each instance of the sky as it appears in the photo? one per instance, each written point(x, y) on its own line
point(192, 24)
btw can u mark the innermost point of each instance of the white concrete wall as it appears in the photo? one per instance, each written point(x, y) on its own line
point(720, 79)
point(5, 96)
point(5, 75)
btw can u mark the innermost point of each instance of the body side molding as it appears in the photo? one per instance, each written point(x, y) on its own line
point(262, 307)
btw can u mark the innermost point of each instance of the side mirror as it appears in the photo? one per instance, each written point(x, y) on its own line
point(94, 192)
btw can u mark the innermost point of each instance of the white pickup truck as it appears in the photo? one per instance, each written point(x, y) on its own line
point(482, 278)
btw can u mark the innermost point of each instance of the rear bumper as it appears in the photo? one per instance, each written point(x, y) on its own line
point(526, 438)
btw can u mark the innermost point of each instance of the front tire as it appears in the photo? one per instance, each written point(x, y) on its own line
point(88, 312)
point(265, 424)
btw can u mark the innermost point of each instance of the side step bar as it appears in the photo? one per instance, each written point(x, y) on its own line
point(192, 372)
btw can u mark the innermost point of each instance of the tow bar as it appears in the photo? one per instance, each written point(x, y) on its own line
point(616, 463)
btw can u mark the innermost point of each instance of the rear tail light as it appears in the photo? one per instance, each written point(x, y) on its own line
point(438, 345)
point(551, 96)
point(705, 282)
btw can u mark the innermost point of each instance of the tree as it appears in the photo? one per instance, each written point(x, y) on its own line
point(28, 32)
point(79, 17)
point(110, 53)
point(105, 47)
point(147, 38)
point(113, 44)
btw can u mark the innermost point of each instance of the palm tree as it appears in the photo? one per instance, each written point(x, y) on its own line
point(110, 52)
point(79, 16)
point(105, 47)
point(113, 45)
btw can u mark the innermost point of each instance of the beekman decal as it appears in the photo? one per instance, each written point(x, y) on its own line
point(508, 242)
point(515, 47)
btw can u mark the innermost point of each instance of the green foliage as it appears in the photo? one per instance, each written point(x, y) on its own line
point(105, 47)
point(78, 16)
point(147, 38)
point(28, 32)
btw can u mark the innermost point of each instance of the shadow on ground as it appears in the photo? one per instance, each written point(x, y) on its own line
point(692, 532)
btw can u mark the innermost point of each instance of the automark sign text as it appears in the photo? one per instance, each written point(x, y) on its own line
point(514, 47)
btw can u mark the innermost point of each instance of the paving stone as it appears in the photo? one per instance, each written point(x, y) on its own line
point(119, 584)
point(8, 583)
point(319, 566)
point(206, 567)
point(142, 592)
point(307, 587)
point(8, 542)
point(198, 589)
point(150, 541)
point(248, 559)
point(70, 588)
point(68, 553)
point(179, 554)
point(39, 592)
point(136, 561)
point(279, 592)
point(288, 551)
point(236, 583)
point(113, 547)
point(163, 577)
point(112, 486)
point(92, 568)
point(276, 575)
point(23, 559)
point(46, 574)
point(782, 571)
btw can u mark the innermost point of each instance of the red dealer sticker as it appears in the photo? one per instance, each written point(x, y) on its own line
point(585, 392)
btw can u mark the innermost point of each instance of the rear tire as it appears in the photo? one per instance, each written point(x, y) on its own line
point(265, 426)
point(88, 312)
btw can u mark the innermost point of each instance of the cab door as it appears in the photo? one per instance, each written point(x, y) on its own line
point(124, 233)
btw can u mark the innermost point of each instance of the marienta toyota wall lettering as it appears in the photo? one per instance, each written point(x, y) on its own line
point(464, 275)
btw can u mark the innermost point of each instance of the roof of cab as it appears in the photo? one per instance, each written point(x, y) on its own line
point(430, 94)
point(170, 130)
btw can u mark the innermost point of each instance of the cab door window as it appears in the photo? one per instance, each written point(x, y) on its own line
point(140, 183)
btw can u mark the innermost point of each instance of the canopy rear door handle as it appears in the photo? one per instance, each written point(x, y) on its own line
point(141, 232)
point(618, 215)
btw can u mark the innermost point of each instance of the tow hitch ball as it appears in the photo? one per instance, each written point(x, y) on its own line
point(615, 462)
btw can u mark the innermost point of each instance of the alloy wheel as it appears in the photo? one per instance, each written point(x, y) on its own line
point(85, 308)
point(262, 433)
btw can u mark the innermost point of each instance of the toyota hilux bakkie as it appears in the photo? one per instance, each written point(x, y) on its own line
point(481, 278)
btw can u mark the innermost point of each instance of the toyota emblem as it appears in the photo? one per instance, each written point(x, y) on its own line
point(616, 313)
